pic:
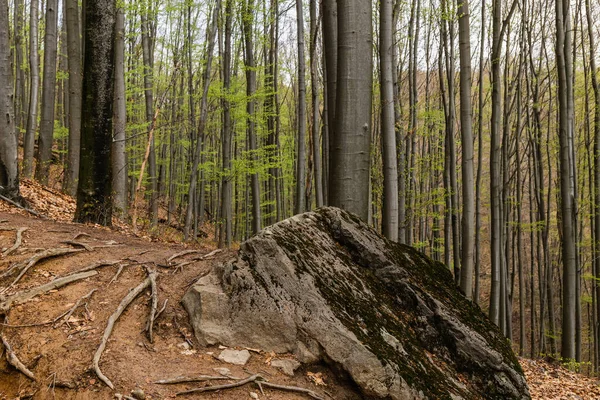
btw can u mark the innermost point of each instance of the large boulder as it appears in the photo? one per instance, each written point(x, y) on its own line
point(325, 286)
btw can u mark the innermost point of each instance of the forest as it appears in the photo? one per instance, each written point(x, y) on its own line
point(468, 130)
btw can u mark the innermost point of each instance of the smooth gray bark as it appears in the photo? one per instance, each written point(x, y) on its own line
point(466, 134)
point(34, 84)
point(9, 174)
point(314, 82)
point(350, 153)
point(388, 132)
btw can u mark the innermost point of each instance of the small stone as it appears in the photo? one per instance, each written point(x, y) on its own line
point(254, 395)
point(210, 353)
point(286, 365)
point(184, 345)
point(221, 347)
point(138, 394)
point(238, 357)
point(222, 371)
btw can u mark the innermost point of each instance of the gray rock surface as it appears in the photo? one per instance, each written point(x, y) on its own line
point(325, 286)
point(286, 365)
point(237, 357)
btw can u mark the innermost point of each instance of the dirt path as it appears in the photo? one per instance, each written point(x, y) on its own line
point(61, 357)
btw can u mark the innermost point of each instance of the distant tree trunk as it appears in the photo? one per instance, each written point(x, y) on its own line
point(330, 51)
point(299, 203)
point(148, 38)
point(211, 35)
point(466, 115)
point(476, 289)
point(566, 162)
point(9, 173)
point(596, 139)
point(34, 75)
point(314, 78)
point(498, 29)
point(44, 153)
point(74, 57)
point(94, 190)
point(248, 22)
point(119, 163)
point(350, 158)
point(388, 132)
point(226, 218)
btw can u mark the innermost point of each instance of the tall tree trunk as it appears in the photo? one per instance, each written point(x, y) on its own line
point(148, 38)
point(330, 53)
point(299, 203)
point(566, 162)
point(248, 22)
point(226, 223)
point(466, 278)
point(94, 190)
point(74, 56)
point(119, 162)
point(314, 81)
point(388, 132)
point(596, 136)
point(350, 161)
point(9, 174)
point(34, 75)
point(20, 100)
point(211, 35)
point(44, 153)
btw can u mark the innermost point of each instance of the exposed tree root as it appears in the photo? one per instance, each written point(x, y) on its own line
point(66, 315)
point(18, 240)
point(20, 297)
point(28, 264)
point(13, 360)
point(78, 244)
point(181, 254)
point(154, 305)
point(127, 300)
point(239, 383)
point(97, 264)
point(116, 276)
point(308, 392)
point(80, 234)
point(199, 378)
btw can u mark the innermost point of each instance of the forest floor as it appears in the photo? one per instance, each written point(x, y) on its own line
point(59, 352)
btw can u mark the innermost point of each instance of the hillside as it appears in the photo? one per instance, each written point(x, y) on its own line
point(60, 353)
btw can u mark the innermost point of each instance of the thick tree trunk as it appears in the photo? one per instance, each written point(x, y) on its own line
point(44, 153)
point(94, 190)
point(350, 161)
point(9, 174)
point(74, 56)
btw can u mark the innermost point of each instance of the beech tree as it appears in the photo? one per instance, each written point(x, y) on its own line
point(9, 174)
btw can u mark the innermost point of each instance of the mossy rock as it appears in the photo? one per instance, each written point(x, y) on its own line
point(327, 287)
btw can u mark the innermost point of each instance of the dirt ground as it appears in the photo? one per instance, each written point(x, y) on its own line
point(130, 361)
